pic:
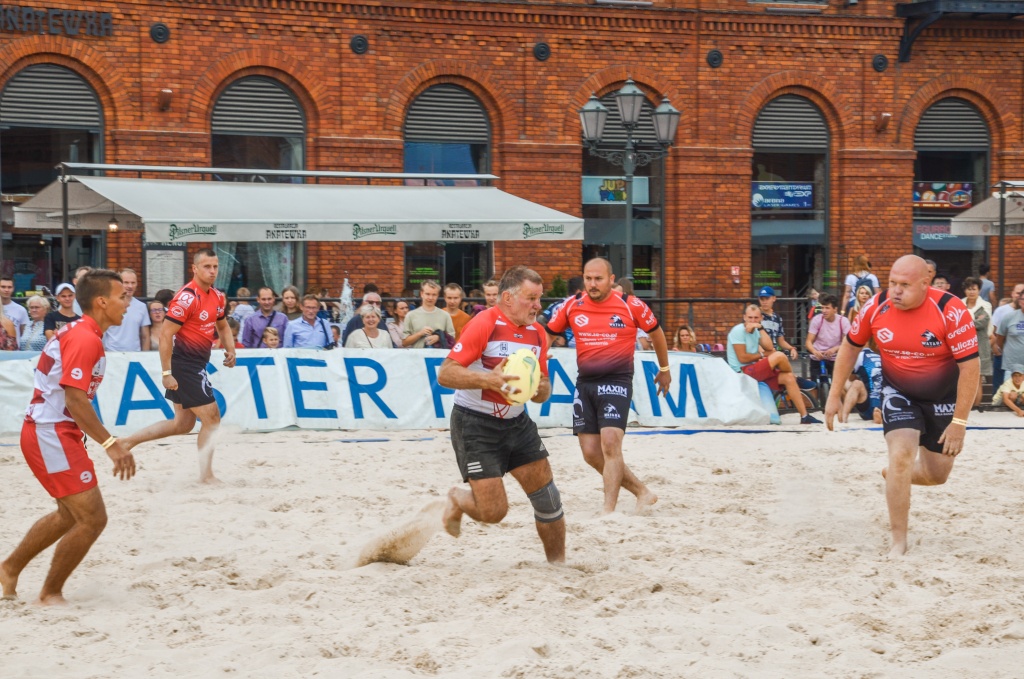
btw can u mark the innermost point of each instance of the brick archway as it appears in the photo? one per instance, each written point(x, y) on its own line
point(1002, 124)
point(497, 103)
point(821, 92)
point(90, 64)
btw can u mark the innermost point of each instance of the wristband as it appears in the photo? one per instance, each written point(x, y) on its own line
point(957, 420)
point(109, 442)
point(165, 373)
point(664, 368)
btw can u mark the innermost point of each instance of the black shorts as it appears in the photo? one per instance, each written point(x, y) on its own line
point(597, 405)
point(486, 447)
point(928, 417)
point(194, 387)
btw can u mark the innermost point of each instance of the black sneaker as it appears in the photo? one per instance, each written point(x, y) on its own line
point(809, 419)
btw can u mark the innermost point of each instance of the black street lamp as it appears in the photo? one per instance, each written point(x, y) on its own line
point(629, 100)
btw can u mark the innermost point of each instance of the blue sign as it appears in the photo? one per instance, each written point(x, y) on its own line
point(788, 195)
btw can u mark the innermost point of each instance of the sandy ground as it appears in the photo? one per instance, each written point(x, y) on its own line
point(764, 558)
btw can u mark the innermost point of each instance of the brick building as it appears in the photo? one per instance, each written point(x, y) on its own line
point(810, 133)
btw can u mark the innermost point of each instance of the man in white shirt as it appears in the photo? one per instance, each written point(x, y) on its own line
point(133, 333)
point(424, 324)
point(13, 310)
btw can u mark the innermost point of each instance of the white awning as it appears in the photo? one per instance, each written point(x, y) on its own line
point(983, 218)
point(209, 211)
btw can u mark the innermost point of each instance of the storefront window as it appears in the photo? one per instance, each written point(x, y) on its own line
point(789, 197)
point(447, 132)
point(258, 123)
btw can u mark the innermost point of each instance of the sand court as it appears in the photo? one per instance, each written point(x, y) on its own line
point(764, 557)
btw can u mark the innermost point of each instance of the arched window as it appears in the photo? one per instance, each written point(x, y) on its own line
point(48, 114)
point(604, 204)
point(950, 175)
point(788, 196)
point(259, 123)
point(447, 130)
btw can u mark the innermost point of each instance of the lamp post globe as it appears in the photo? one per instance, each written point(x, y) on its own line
point(593, 116)
point(630, 100)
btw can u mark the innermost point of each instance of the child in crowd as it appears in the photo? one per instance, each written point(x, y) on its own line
point(271, 338)
point(1011, 394)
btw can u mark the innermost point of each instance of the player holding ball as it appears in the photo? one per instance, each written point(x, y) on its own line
point(491, 432)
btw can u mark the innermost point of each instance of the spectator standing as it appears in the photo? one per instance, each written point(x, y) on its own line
point(988, 288)
point(65, 313)
point(941, 282)
point(1006, 305)
point(750, 351)
point(685, 339)
point(932, 270)
point(267, 317)
point(243, 309)
point(15, 313)
point(825, 334)
point(290, 305)
point(563, 339)
point(34, 337)
point(79, 272)
point(981, 310)
point(157, 315)
point(133, 333)
point(861, 276)
point(370, 298)
point(1009, 337)
point(453, 295)
point(309, 331)
point(425, 326)
point(490, 293)
point(864, 293)
point(396, 325)
point(370, 336)
point(771, 322)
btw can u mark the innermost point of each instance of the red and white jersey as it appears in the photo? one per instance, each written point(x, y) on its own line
point(486, 340)
point(197, 313)
point(919, 347)
point(72, 358)
point(605, 332)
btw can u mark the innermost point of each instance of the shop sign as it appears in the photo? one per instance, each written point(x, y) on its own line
point(943, 195)
point(18, 19)
point(612, 190)
point(788, 195)
point(932, 231)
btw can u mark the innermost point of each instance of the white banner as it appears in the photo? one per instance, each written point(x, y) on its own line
point(380, 389)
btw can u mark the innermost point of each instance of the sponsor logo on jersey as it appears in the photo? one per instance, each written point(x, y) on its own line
point(581, 320)
point(635, 301)
point(203, 315)
point(965, 345)
point(884, 335)
point(616, 322)
point(955, 315)
point(503, 349)
point(959, 331)
point(612, 390)
point(185, 299)
point(177, 311)
point(517, 335)
point(76, 373)
point(855, 328)
point(944, 408)
point(86, 477)
point(611, 412)
point(458, 347)
point(577, 410)
point(930, 340)
point(891, 406)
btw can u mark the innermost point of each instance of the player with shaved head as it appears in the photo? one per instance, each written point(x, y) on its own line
point(930, 367)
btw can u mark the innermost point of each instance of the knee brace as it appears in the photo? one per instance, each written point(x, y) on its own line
point(547, 503)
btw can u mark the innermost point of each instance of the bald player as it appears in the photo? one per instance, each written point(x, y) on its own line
point(605, 324)
point(930, 366)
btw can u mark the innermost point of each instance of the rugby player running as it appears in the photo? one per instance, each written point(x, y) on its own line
point(185, 346)
point(605, 324)
point(930, 366)
point(69, 371)
point(490, 435)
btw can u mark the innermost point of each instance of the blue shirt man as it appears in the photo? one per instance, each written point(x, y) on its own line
point(307, 331)
point(266, 317)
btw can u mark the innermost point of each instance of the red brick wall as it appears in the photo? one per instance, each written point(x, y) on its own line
point(355, 105)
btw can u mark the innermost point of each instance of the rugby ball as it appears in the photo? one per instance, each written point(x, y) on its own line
point(524, 365)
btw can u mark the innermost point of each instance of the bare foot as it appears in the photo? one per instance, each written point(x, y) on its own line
point(9, 582)
point(452, 518)
point(644, 502)
point(210, 479)
point(898, 550)
point(52, 600)
point(876, 415)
